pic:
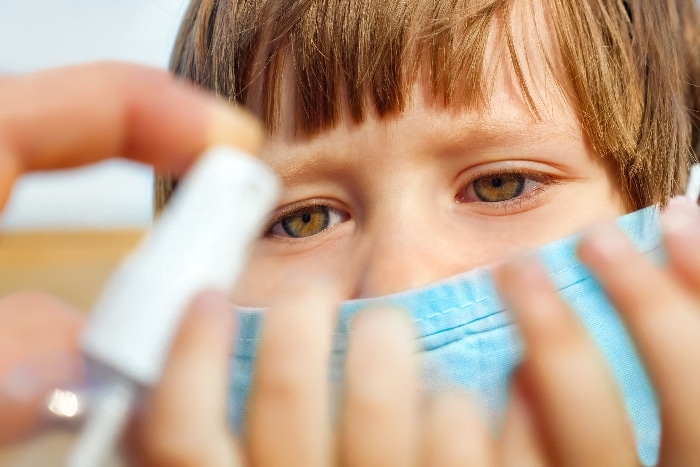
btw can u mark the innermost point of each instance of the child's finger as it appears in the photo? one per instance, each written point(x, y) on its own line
point(288, 419)
point(682, 240)
point(454, 434)
point(379, 420)
point(565, 380)
point(185, 421)
point(664, 319)
point(520, 444)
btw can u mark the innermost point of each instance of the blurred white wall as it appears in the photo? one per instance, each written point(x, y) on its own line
point(38, 34)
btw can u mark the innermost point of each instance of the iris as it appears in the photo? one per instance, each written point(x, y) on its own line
point(307, 221)
point(495, 188)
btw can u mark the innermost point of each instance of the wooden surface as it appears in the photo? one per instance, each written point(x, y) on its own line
point(73, 266)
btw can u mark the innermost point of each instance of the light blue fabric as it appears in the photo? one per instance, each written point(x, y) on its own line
point(468, 338)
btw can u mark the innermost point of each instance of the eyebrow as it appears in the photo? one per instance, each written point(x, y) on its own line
point(497, 135)
point(299, 162)
point(290, 163)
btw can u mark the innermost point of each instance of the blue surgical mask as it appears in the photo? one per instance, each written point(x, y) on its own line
point(468, 337)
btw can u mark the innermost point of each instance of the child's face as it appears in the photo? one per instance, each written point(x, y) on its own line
point(396, 203)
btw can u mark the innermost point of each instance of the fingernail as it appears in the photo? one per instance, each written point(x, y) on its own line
point(681, 222)
point(32, 379)
point(609, 243)
point(681, 202)
point(211, 303)
point(237, 127)
point(392, 322)
point(213, 310)
point(23, 384)
point(523, 269)
point(307, 293)
point(520, 278)
point(391, 316)
point(541, 315)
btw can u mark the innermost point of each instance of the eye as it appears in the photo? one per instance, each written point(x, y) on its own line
point(501, 187)
point(495, 188)
point(306, 221)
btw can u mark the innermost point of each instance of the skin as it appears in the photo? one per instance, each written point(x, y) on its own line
point(401, 189)
point(660, 308)
point(85, 114)
point(393, 184)
point(403, 214)
point(550, 422)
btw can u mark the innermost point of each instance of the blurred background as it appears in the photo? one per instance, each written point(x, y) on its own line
point(64, 233)
point(39, 34)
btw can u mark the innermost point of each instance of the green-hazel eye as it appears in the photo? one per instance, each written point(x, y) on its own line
point(307, 221)
point(501, 187)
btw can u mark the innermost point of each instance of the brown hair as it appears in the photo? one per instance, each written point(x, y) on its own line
point(632, 67)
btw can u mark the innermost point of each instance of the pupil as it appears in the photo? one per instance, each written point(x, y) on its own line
point(306, 217)
point(497, 182)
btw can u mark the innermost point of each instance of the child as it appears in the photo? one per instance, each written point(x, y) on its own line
point(377, 113)
point(420, 139)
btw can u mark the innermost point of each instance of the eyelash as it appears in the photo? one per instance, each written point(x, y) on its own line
point(296, 210)
point(542, 179)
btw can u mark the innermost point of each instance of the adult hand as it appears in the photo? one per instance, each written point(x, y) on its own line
point(73, 116)
point(77, 115)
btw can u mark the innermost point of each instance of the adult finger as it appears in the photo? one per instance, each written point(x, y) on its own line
point(565, 380)
point(184, 422)
point(379, 420)
point(454, 434)
point(76, 115)
point(289, 415)
point(662, 316)
point(38, 352)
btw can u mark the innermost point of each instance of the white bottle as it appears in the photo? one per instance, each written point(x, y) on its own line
point(200, 242)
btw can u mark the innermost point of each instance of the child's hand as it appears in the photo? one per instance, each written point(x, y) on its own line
point(379, 418)
point(564, 392)
point(565, 408)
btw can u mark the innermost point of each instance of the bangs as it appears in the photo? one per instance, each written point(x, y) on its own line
point(627, 68)
point(324, 58)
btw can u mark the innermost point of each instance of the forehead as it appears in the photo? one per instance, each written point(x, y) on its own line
point(465, 57)
point(505, 126)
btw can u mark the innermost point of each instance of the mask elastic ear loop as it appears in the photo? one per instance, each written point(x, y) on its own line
point(692, 190)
